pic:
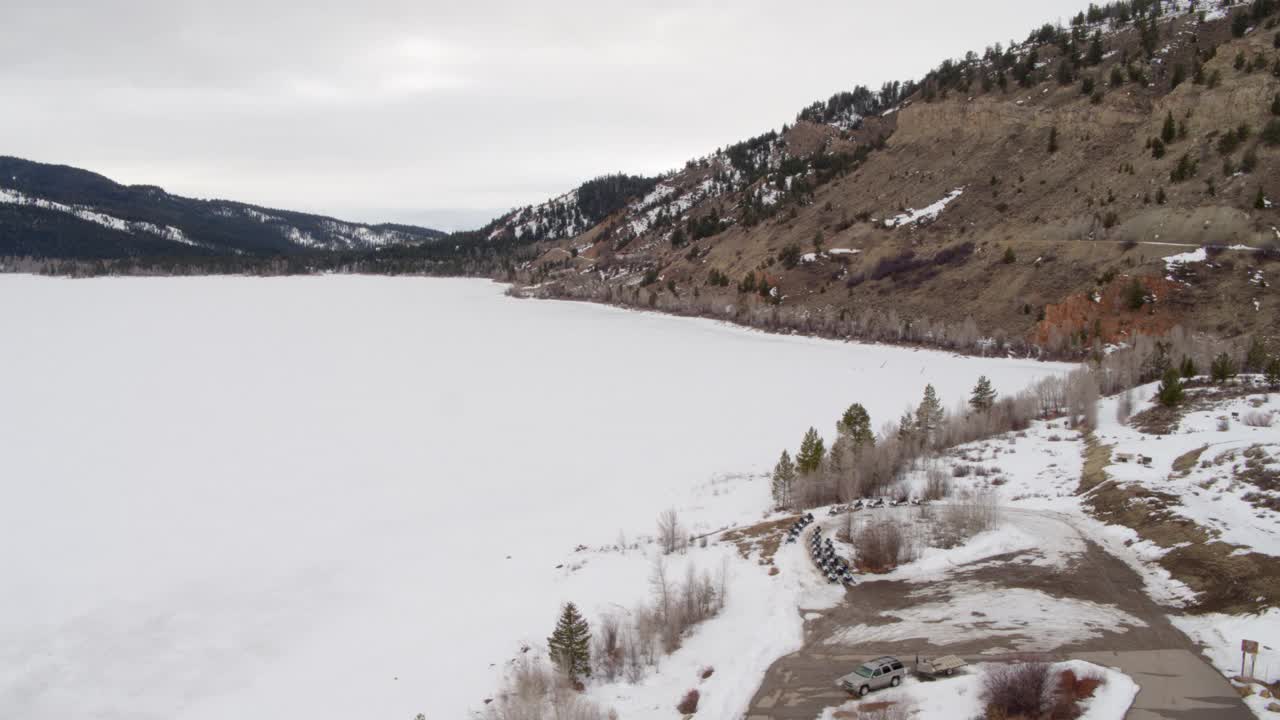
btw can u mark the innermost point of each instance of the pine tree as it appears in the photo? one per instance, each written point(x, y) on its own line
point(929, 414)
point(1260, 200)
point(1135, 296)
point(1223, 368)
point(983, 396)
point(907, 427)
point(1053, 140)
point(570, 644)
point(1169, 132)
point(1273, 373)
point(812, 450)
point(1094, 56)
point(784, 477)
point(1188, 368)
point(1170, 390)
point(1275, 105)
point(1256, 357)
point(855, 424)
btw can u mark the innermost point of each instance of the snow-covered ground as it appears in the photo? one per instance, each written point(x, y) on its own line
point(1017, 619)
point(335, 497)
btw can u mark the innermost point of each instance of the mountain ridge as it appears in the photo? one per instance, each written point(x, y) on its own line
point(61, 211)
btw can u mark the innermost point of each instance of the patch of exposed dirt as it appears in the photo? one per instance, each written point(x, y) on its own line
point(1186, 462)
point(1096, 459)
point(762, 538)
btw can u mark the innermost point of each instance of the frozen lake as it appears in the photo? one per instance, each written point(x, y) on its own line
point(296, 497)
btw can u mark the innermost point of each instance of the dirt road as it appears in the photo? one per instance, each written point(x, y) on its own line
point(1175, 682)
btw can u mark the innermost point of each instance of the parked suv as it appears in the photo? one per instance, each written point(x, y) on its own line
point(875, 674)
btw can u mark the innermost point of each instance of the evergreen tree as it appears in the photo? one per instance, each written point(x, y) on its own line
point(812, 450)
point(1170, 390)
point(1053, 140)
point(1275, 105)
point(1188, 368)
point(855, 424)
point(1223, 368)
point(1260, 200)
point(983, 396)
point(570, 644)
point(784, 477)
point(1169, 132)
point(1273, 373)
point(929, 414)
point(1157, 148)
point(907, 427)
point(1135, 296)
point(1256, 357)
point(1094, 56)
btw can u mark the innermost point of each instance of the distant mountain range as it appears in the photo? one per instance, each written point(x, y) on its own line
point(55, 211)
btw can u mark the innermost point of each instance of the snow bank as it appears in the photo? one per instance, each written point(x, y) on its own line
point(927, 213)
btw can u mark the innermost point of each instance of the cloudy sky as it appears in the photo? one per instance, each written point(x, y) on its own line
point(440, 112)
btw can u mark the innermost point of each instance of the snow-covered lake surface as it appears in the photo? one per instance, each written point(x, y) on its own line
point(341, 497)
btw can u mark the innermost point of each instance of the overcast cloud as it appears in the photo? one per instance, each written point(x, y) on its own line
point(442, 112)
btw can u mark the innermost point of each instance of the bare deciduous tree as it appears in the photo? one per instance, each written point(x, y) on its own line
point(670, 534)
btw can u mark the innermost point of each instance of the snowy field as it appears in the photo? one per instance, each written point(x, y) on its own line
point(337, 497)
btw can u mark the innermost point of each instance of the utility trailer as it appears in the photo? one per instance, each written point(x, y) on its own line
point(939, 666)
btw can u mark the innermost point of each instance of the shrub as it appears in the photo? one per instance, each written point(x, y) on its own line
point(1124, 407)
point(937, 485)
point(1135, 296)
point(1157, 148)
point(973, 513)
point(1223, 368)
point(1018, 690)
point(1185, 170)
point(1009, 257)
point(1258, 419)
point(882, 545)
point(790, 256)
point(1249, 162)
point(1071, 690)
point(1271, 132)
point(689, 705)
point(1170, 391)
